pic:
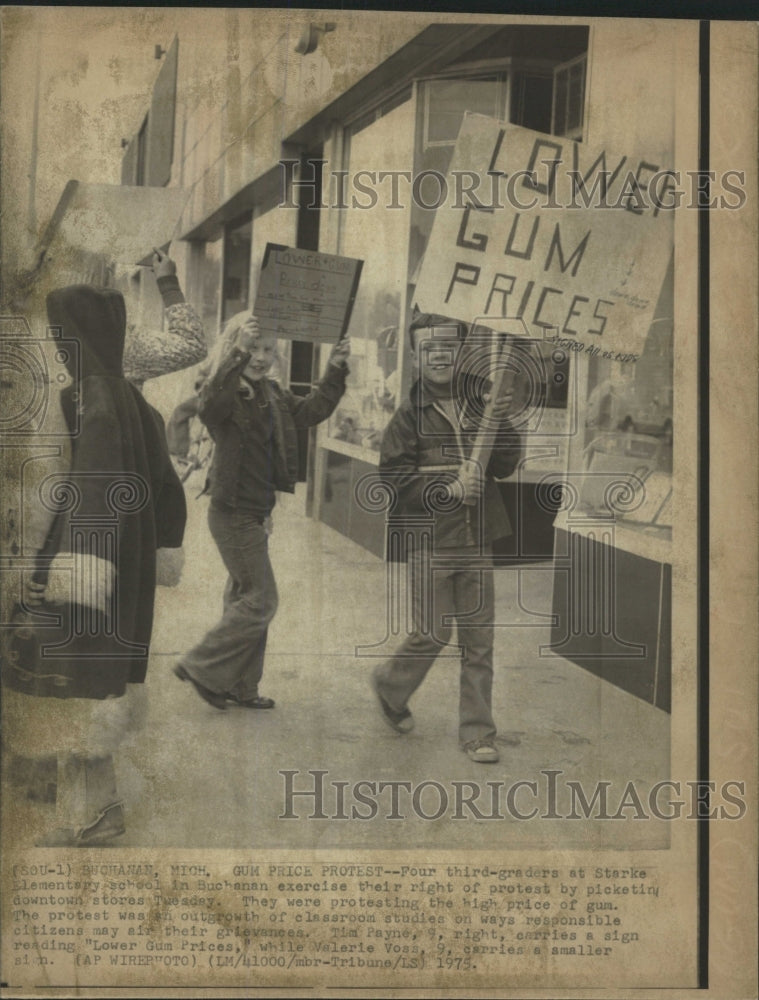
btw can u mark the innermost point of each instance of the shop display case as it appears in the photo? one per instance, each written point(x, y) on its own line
point(613, 534)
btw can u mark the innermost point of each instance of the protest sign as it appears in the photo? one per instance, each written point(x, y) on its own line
point(304, 295)
point(574, 240)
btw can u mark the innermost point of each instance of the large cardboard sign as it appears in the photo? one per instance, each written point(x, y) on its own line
point(121, 223)
point(571, 239)
point(305, 295)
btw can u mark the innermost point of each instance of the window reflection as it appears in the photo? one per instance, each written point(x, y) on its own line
point(379, 237)
point(237, 249)
point(629, 429)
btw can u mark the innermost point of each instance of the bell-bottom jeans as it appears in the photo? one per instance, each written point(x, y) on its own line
point(458, 589)
point(230, 659)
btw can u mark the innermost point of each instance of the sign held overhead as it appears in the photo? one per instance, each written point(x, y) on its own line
point(305, 295)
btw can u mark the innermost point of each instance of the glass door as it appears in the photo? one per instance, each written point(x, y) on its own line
point(238, 238)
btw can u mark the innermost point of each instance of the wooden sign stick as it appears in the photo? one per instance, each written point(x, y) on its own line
point(503, 379)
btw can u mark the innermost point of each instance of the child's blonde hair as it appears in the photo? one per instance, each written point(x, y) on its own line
point(233, 326)
point(226, 341)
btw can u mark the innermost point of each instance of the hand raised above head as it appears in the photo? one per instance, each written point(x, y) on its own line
point(162, 264)
point(248, 334)
point(340, 352)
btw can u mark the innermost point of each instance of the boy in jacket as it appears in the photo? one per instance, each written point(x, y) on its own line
point(424, 461)
point(254, 427)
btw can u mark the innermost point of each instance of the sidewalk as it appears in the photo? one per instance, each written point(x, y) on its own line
point(205, 778)
point(199, 778)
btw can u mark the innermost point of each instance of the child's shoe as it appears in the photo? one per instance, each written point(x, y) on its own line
point(105, 827)
point(401, 722)
point(482, 751)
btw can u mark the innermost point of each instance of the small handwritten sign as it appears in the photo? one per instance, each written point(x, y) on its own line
point(305, 295)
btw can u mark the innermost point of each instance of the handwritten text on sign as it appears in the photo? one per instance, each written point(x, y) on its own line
point(577, 247)
point(305, 295)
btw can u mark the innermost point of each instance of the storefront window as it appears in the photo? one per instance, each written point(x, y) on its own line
point(379, 236)
point(208, 280)
point(446, 103)
point(542, 376)
point(237, 250)
point(442, 106)
point(629, 428)
point(519, 94)
point(531, 97)
point(276, 225)
point(569, 97)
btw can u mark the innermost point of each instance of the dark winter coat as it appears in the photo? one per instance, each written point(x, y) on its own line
point(420, 453)
point(120, 501)
point(226, 412)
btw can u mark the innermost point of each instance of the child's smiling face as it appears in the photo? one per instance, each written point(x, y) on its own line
point(437, 349)
point(262, 354)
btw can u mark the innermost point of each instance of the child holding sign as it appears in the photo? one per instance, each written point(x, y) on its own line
point(424, 461)
point(253, 423)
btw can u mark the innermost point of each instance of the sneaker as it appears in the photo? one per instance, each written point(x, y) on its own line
point(482, 751)
point(401, 721)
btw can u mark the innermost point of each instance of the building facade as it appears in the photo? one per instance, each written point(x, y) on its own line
point(332, 136)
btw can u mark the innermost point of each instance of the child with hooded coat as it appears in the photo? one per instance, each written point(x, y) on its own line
point(114, 505)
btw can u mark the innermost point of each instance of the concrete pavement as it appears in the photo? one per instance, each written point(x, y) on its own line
point(195, 777)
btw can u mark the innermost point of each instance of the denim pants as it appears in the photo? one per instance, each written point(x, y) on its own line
point(230, 659)
point(441, 594)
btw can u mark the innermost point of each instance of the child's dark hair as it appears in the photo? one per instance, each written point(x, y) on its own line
point(424, 321)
